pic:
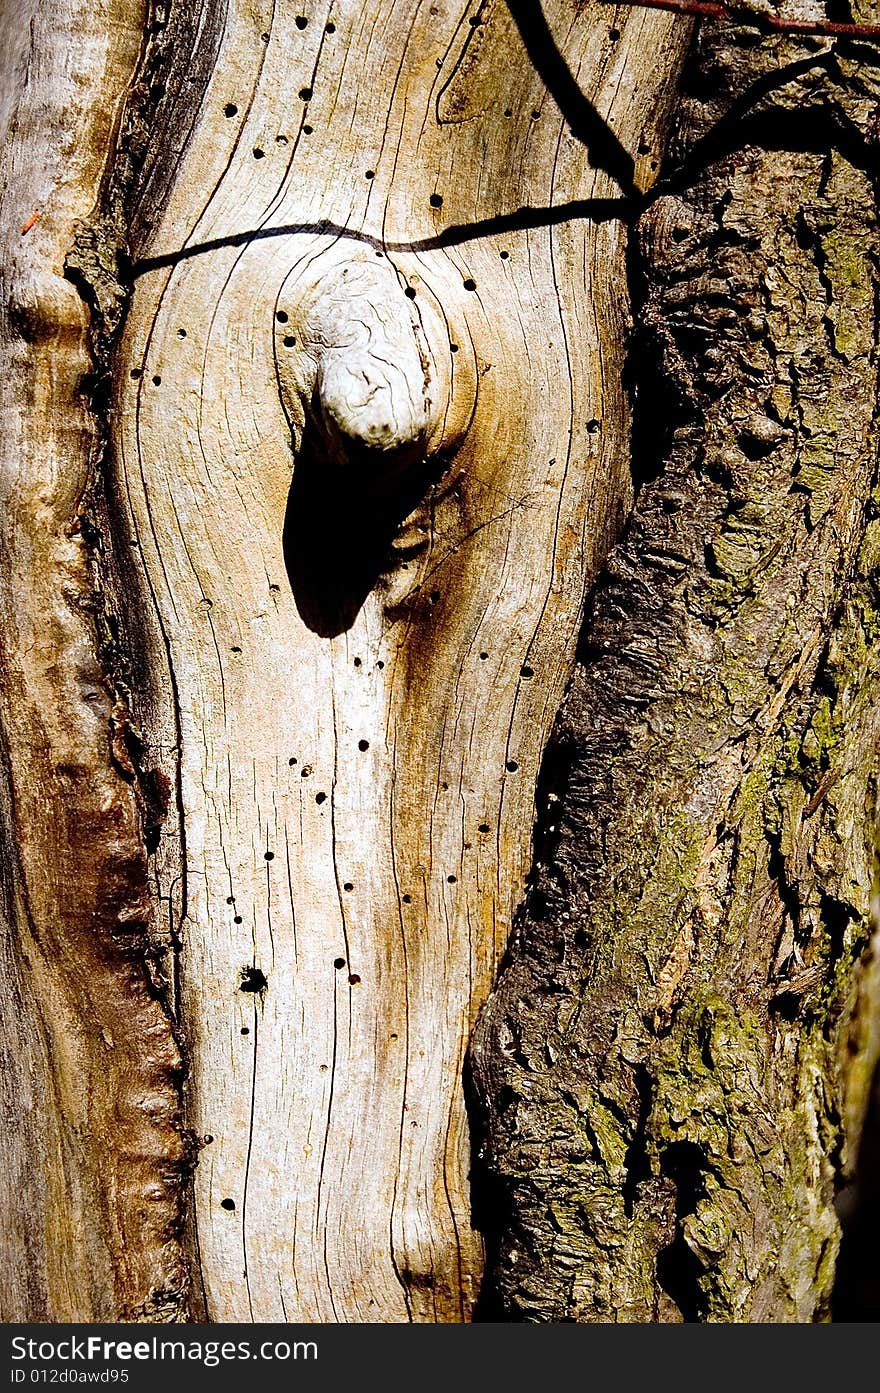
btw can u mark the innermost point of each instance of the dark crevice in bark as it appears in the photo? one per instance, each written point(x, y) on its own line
point(637, 1162)
point(857, 1288)
point(181, 42)
point(164, 96)
point(490, 1203)
point(678, 1269)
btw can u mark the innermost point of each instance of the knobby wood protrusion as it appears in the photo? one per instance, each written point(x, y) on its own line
point(366, 373)
point(376, 412)
point(674, 1066)
point(371, 442)
point(91, 1148)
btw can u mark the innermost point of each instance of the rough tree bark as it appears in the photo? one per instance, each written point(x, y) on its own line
point(316, 434)
point(678, 1055)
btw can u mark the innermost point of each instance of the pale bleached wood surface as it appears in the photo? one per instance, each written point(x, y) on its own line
point(357, 779)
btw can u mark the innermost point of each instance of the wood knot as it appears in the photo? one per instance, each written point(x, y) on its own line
point(365, 371)
point(365, 362)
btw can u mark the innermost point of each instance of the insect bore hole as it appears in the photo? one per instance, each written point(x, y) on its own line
point(252, 980)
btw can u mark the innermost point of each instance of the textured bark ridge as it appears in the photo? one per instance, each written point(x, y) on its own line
point(674, 1065)
point(92, 1156)
point(370, 441)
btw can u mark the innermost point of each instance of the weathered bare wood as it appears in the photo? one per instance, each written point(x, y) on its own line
point(91, 1147)
point(677, 1059)
point(377, 205)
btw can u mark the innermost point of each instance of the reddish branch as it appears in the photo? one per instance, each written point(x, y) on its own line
point(756, 19)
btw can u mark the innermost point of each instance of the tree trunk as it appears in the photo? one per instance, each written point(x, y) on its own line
point(305, 491)
point(388, 239)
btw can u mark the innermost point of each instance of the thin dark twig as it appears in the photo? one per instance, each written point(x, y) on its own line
point(456, 234)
